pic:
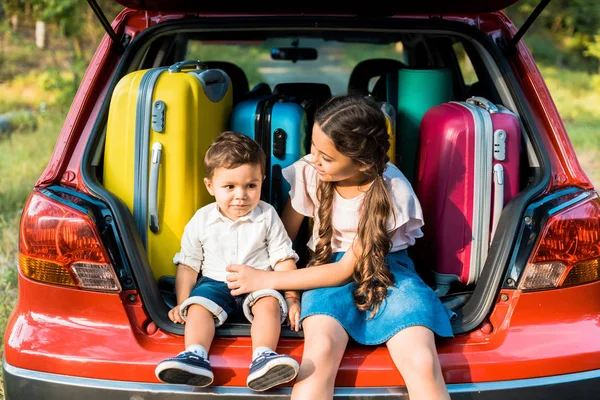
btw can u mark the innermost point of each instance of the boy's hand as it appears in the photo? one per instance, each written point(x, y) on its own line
point(174, 315)
point(293, 313)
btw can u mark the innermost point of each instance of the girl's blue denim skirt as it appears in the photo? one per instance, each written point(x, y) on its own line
point(410, 302)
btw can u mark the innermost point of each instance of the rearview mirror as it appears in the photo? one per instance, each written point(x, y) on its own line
point(294, 53)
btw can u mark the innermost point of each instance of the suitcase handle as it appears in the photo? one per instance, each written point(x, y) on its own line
point(153, 188)
point(498, 196)
point(483, 103)
point(178, 66)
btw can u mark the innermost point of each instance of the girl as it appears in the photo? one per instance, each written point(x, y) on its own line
point(365, 286)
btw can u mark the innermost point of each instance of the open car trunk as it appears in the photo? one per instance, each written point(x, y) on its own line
point(350, 53)
point(422, 7)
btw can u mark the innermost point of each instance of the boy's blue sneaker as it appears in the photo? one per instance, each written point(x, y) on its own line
point(271, 369)
point(186, 368)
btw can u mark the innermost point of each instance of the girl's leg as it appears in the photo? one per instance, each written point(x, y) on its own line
point(199, 327)
point(266, 326)
point(324, 343)
point(414, 353)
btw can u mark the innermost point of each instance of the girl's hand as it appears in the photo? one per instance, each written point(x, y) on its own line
point(245, 279)
point(174, 315)
point(293, 314)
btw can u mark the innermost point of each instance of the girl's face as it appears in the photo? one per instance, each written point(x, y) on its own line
point(331, 165)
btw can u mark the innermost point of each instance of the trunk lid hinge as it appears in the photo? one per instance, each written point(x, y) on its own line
point(121, 43)
point(510, 46)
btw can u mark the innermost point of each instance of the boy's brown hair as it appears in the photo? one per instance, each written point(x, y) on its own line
point(232, 149)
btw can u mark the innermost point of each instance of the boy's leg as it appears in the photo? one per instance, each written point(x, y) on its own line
point(199, 327)
point(266, 326)
point(268, 369)
point(209, 303)
point(191, 366)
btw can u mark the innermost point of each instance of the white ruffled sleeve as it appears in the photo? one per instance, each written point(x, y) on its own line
point(302, 178)
point(408, 215)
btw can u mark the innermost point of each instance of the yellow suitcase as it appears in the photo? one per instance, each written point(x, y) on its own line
point(390, 119)
point(161, 121)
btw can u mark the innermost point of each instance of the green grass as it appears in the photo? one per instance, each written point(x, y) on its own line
point(25, 154)
point(577, 97)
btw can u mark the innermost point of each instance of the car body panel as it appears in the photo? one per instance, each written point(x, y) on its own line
point(33, 385)
point(108, 336)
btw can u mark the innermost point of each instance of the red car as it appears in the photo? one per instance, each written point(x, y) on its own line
point(91, 319)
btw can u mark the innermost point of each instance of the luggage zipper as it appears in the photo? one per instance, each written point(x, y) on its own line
point(262, 129)
point(484, 180)
point(482, 188)
point(142, 148)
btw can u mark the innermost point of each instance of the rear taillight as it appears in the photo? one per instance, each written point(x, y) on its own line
point(60, 245)
point(568, 250)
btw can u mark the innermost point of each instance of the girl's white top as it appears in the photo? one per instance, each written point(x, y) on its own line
point(406, 221)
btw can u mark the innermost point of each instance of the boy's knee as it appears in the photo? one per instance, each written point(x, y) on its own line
point(266, 304)
point(194, 310)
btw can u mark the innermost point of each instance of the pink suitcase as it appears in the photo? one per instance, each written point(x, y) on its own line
point(468, 169)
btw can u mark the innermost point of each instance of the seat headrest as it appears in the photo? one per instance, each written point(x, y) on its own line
point(239, 81)
point(304, 90)
point(366, 70)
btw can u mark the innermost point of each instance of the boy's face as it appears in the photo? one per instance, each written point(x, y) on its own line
point(237, 190)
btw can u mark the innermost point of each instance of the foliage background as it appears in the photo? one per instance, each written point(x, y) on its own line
point(565, 41)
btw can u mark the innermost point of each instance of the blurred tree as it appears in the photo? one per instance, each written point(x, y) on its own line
point(14, 7)
point(74, 18)
point(66, 15)
point(562, 32)
point(76, 23)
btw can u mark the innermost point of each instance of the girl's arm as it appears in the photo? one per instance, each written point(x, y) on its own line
point(245, 279)
point(291, 219)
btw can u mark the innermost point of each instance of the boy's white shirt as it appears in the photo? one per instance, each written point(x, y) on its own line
point(211, 241)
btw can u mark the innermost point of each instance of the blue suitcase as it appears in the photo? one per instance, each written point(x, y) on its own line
point(280, 127)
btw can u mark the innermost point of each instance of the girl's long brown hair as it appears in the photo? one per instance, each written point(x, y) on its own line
point(357, 127)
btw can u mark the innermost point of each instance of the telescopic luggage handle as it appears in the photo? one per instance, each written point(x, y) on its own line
point(483, 103)
point(178, 66)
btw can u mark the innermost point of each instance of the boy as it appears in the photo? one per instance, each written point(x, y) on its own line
point(238, 228)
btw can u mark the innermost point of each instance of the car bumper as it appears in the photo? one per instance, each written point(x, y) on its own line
point(22, 383)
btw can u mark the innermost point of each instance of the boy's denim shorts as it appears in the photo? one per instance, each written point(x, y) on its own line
point(216, 297)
